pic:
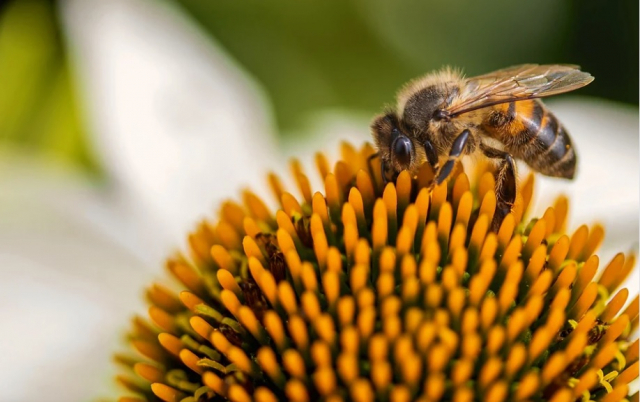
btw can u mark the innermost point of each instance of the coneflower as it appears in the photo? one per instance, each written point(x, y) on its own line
point(363, 292)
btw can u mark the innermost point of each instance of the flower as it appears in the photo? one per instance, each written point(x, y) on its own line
point(74, 251)
point(387, 292)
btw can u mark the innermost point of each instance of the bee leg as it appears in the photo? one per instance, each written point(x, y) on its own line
point(383, 173)
point(387, 176)
point(432, 155)
point(456, 151)
point(369, 159)
point(383, 168)
point(505, 184)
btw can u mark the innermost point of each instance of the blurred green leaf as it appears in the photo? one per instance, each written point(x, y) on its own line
point(39, 111)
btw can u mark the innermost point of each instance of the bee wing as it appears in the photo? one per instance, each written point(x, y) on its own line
point(526, 81)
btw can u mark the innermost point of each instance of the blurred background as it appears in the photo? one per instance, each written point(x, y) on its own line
point(122, 122)
point(347, 55)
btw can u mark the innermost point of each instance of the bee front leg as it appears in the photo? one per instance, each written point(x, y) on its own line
point(456, 152)
point(369, 159)
point(505, 184)
point(383, 168)
point(432, 155)
point(383, 173)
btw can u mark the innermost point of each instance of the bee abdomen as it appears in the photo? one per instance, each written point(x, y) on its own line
point(530, 132)
point(550, 151)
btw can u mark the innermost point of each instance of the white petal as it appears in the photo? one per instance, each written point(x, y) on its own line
point(178, 126)
point(67, 291)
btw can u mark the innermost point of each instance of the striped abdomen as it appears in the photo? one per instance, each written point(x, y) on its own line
point(531, 133)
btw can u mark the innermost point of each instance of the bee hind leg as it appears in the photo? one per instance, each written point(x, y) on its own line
point(456, 152)
point(505, 188)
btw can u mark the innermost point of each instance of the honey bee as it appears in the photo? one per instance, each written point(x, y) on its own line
point(444, 116)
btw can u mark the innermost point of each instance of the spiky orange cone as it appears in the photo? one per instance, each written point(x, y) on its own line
point(395, 294)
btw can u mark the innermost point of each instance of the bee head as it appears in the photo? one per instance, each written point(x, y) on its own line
point(394, 145)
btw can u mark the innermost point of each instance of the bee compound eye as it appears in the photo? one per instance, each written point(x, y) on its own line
point(402, 148)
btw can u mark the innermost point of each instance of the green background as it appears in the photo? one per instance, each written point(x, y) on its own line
point(348, 55)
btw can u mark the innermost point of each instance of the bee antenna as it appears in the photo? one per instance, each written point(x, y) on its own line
point(441, 115)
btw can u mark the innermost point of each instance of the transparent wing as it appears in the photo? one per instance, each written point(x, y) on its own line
point(526, 81)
